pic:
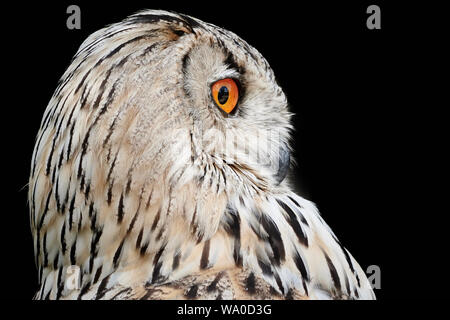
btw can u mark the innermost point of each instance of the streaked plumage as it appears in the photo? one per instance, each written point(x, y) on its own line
point(141, 181)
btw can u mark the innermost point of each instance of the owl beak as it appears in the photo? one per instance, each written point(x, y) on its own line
point(283, 164)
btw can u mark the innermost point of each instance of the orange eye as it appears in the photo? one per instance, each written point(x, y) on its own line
point(225, 93)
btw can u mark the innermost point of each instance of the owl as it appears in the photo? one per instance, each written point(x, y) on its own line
point(160, 172)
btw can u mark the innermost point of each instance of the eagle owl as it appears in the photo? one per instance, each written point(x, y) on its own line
point(159, 171)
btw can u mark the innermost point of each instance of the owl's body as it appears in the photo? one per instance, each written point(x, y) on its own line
point(140, 180)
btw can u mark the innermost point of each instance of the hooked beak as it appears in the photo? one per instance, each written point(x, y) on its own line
point(283, 164)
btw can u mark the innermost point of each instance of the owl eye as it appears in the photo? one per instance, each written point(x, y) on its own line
point(225, 93)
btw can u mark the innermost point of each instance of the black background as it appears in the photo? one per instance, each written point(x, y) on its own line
point(361, 120)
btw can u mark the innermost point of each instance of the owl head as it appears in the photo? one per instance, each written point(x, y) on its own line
point(160, 123)
point(196, 94)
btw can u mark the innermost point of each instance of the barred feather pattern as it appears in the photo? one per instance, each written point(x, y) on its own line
point(131, 182)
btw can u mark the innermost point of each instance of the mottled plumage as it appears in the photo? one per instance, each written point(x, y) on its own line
point(139, 179)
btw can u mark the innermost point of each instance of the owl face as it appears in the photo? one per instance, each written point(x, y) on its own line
point(212, 100)
point(254, 132)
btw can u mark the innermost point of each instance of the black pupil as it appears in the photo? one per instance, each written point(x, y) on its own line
point(223, 95)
